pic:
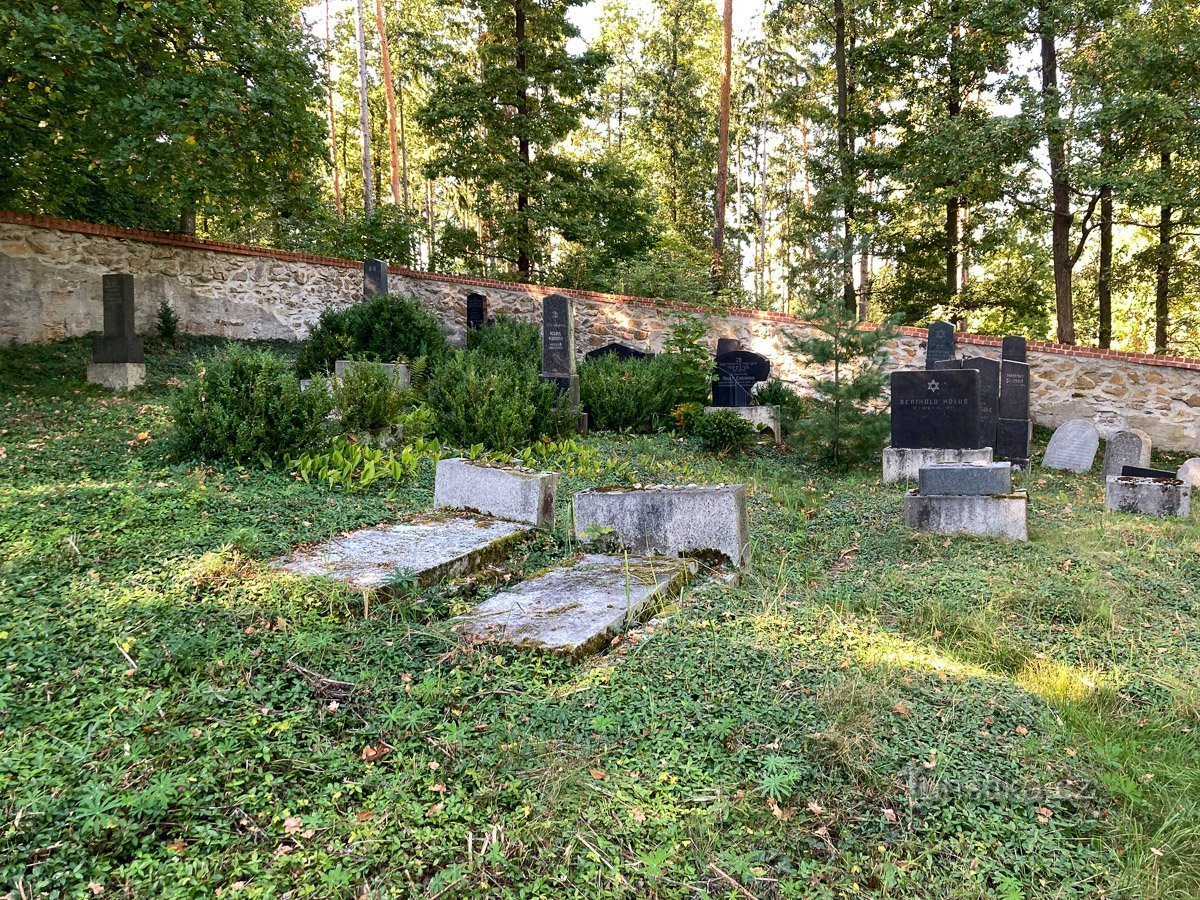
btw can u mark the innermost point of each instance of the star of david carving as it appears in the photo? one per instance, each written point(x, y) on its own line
point(934, 386)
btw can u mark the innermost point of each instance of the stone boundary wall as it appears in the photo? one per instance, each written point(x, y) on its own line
point(50, 276)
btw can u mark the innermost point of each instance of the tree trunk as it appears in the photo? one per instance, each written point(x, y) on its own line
point(1162, 283)
point(953, 203)
point(337, 185)
point(718, 259)
point(1104, 276)
point(390, 93)
point(524, 265)
point(364, 120)
point(845, 148)
point(1056, 146)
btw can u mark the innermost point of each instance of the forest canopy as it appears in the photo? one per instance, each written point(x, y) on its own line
point(1012, 167)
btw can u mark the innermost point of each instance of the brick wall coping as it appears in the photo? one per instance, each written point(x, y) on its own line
point(192, 243)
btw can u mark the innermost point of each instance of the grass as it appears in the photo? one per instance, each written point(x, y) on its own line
point(871, 712)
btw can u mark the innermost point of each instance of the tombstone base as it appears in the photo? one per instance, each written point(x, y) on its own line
point(567, 384)
point(503, 493)
point(768, 417)
point(117, 376)
point(904, 463)
point(988, 515)
point(1148, 496)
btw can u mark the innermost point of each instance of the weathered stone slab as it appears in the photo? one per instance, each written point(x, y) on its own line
point(1126, 448)
point(904, 463)
point(1073, 446)
point(117, 376)
point(516, 495)
point(428, 550)
point(575, 609)
point(477, 311)
point(966, 478)
point(1189, 472)
point(375, 277)
point(768, 417)
point(1002, 516)
point(1013, 347)
point(673, 521)
point(1147, 496)
point(119, 343)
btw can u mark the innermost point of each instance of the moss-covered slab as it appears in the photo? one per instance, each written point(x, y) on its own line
point(574, 609)
point(425, 551)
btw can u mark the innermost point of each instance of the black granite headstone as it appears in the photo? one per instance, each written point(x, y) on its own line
point(1012, 440)
point(476, 311)
point(1013, 347)
point(1139, 472)
point(375, 277)
point(939, 344)
point(619, 350)
point(727, 345)
point(558, 336)
point(120, 343)
point(1014, 389)
point(947, 364)
point(989, 396)
point(937, 409)
point(737, 373)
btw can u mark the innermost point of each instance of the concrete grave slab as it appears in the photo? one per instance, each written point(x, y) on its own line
point(904, 463)
point(1147, 496)
point(673, 521)
point(768, 417)
point(575, 609)
point(966, 478)
point(514, 494)
point(429, 550)
point(992, 515)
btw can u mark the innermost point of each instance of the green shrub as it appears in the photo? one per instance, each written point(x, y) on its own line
point(382, 328)
point(167, 323)
point(368, 397)
point(246, 405)
point(496, 402)
point(722, 431)
point(508, 338)
point(778, 393)
point(621, 394)
point(690, 359)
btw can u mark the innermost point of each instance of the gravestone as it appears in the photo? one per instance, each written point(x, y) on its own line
point(621, 351)
point(1073, 446)
point(1126, 448)
point(737, 373)
point(1189, 472)
point(965, 478)
point(558, 344)
point(1013, 427)
point(375, 277)
point(476, 311)
point(1147, 496)
point(939, 344)
point(1013, 347)
point(946, 364)
point(727, 345)
point(117, 357)
point(989, 397)
point(937, 409)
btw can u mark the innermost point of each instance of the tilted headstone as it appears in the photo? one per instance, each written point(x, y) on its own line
point(1139, 472)
point(1073, 446)
point(1013, 347)
point(939, 344)
point(619, 350)
point(120, 343)
point(737, 373)
point(476, 311)
point(1189, 472)
point(937, 409)
point(558, 344)
point(1126, 448)
point(727, 345)
point(989, 396)
point(375, 277)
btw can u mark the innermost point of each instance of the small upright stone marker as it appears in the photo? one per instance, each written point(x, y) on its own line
point(118, 360)
point(1073, 446)
point(1014, 428)
point(621, 351)
point(1189, 472)
point(939, 344)
point(737, 373)
point(1126, 448)
point(1013, 348)
point(558, 344)
point(375, 277)
point(728, 345)
point(476, 311)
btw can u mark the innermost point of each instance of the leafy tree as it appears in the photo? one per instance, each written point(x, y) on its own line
point(151, 114)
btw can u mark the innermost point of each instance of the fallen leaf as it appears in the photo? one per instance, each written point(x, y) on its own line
point(1044, 814)
point(637, 814)
point(815, 808)
point(438, 789)
point(1156, 851)
point(598, 774)
point(901, 709)
point(1022, 730)
point(364, 815)
point(292, 824)
point(372, 752)
point(890, 816)
point(435, 809)
point(96, 889)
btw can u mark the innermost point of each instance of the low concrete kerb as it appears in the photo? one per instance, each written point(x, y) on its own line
point(516, 495)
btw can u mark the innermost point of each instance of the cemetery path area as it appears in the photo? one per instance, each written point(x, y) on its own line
point(870, 712)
